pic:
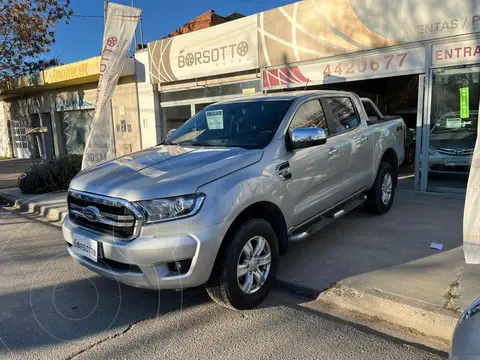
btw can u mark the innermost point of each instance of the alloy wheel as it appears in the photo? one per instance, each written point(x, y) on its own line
point(253, 265)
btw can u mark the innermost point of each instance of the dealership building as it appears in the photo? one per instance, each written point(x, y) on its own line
point(416, 59)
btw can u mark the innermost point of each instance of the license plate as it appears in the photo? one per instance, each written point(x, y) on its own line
point(85, 247)
point(456, 162)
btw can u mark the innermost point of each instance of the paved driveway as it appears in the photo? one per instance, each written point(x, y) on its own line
point(52, 308)
point(391, 253)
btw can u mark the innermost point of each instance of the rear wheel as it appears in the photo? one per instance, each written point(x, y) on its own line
point(245, 273)
point(380, 196)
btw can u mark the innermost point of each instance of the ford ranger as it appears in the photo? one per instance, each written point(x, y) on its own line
point(220, 199)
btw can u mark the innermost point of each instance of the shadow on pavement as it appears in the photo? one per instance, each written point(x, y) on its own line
point(85, 308)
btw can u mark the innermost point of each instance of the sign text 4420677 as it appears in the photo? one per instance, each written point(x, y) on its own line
point(368, 64)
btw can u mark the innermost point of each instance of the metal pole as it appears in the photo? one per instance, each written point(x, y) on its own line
point(141, 30)
point(105, 5)
point(135, 34)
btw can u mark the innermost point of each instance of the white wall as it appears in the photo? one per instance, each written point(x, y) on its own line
point(148, 102)
point(5, 138)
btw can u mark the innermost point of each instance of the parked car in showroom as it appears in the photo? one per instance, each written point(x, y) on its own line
point(220, 199)
point(452, 141)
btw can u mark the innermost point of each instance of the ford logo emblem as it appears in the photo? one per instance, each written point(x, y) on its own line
point(92, 214)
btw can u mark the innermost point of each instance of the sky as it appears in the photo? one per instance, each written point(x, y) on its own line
point(82, 38)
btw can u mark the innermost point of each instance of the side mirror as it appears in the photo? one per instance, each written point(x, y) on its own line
point(306, 137)
point(170, 132)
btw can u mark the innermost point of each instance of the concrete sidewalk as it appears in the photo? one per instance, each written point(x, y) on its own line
point(11, 169)
point(51, 206)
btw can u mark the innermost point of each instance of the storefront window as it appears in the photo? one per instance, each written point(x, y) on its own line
point(199, 107)
point(211, 91)
point(75, 127)
point(175, 116)
point(453, 125)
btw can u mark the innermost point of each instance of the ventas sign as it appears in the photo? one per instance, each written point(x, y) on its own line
point(119, 30)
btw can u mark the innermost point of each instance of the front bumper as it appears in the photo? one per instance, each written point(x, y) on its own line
point(447, 164)
point(144, 261)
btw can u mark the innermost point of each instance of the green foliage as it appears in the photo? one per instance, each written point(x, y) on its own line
point(27, 32)
point(51, 175)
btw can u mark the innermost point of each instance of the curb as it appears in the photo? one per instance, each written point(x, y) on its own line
point(405, 318)
point(412, 317)
point(51, 214)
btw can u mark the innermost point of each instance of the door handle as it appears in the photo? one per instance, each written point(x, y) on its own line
point(333, 151)
point(283, 171)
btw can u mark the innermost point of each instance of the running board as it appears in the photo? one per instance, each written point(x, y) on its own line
point(328, 218)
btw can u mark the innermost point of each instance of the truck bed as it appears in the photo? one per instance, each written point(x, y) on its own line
point(384, 119)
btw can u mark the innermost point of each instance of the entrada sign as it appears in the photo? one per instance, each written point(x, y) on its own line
point(459, 51)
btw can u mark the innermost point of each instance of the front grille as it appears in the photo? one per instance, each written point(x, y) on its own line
point(455, 152)
point(111, 216)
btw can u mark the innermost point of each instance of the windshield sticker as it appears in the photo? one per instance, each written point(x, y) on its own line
point(453, 123)
point(214, 119)
point(464, 103)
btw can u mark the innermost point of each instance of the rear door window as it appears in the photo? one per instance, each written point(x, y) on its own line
point(371, 113)
point(345, 116)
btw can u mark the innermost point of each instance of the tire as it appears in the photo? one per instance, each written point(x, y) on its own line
point(375, 204)
point(224, 287)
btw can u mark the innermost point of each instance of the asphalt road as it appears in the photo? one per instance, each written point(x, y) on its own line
point(51, 308)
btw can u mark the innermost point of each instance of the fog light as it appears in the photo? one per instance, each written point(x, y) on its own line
point(179, 267)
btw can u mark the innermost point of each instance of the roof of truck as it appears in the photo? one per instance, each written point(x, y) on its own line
point(286, 95)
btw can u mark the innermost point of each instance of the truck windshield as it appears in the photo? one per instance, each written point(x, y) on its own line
point(247, 124)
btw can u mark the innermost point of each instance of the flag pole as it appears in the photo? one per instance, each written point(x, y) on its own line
point(135, 34)
point(105, 7)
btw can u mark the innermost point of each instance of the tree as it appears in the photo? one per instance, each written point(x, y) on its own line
point(27, 30)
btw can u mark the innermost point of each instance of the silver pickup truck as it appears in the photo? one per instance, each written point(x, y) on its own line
point(220, 199)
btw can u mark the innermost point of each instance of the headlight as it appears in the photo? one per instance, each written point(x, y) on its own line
point(432, 150)
point(171, 208)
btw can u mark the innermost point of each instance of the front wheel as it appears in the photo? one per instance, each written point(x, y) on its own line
point(246, 271)
point(380, 196)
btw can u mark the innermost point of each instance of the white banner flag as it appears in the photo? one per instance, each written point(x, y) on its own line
point(471, 213)
point(119, 30)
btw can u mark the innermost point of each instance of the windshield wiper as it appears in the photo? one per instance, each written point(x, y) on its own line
point(199, 143)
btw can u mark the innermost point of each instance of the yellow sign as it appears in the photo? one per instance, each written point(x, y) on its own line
point(248, 91)
point(72, 71)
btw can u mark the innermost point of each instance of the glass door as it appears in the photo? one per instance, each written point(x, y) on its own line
point(453, 126)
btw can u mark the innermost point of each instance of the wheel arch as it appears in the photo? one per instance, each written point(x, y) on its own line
point(263, 210)
point(390, 157)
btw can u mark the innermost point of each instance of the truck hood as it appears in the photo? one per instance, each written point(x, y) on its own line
point(163, 171)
